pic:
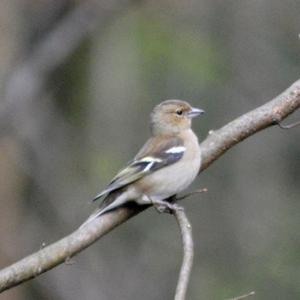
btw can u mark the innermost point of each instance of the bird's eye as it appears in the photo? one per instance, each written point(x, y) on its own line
point(179, 112)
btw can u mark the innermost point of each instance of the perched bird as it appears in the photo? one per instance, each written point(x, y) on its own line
point(167, 163)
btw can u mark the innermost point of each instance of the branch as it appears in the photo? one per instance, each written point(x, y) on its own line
point(170, 206)
point(273, 112)
point(188, 253)
point(216, 144)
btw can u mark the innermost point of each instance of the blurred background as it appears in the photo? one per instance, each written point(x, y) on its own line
point(78, 80)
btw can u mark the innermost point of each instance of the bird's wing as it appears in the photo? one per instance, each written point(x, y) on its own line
point(158, 152)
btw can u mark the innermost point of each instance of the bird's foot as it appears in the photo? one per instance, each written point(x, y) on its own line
point(166, 207)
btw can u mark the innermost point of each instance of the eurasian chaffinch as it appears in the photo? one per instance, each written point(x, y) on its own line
point(166, 165)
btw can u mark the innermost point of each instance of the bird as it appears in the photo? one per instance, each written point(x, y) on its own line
point(166, 165)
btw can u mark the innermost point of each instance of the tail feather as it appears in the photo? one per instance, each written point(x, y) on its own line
point(110, 202)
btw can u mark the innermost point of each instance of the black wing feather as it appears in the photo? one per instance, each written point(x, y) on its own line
point(153, 156)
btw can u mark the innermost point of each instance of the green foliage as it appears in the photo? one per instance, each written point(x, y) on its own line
point(185, 53)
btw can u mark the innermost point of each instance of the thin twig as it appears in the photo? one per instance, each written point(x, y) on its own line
point(170, 206)
point(188, 253)
point(204, 190)
point(243, 296)
point(290, 126)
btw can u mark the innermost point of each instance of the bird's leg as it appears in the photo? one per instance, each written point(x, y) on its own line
point(162, 206)
point(166, 206)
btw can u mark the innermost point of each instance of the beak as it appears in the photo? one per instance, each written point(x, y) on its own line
point(195, 112)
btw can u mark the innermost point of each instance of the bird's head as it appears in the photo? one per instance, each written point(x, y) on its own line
point(173, 116)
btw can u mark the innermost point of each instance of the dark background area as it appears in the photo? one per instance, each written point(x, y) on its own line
point(78, 80)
